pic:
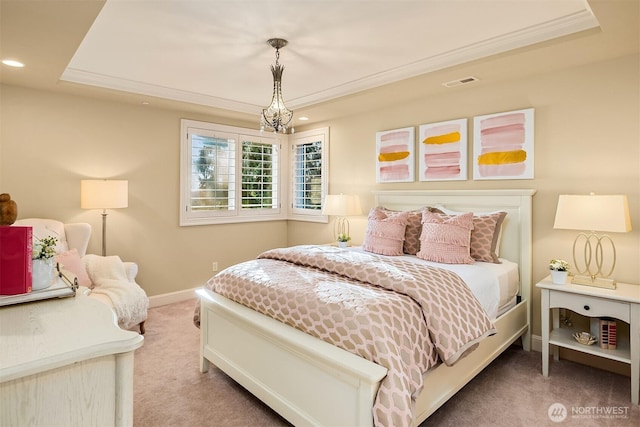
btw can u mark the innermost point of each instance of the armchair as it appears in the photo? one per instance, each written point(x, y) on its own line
point(73, 240)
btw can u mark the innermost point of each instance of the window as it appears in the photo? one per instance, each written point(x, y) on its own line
point(309, 166)
point(259, 175)
point(228, 174)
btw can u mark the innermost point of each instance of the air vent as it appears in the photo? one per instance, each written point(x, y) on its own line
point(460, 82)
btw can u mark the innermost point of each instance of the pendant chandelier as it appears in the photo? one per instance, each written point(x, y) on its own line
point(277, 116)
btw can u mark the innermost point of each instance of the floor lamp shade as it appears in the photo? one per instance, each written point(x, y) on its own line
point(104, 194)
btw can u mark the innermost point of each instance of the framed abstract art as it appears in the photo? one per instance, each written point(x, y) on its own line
point(503, 145)
point(395, 155)
point(443, 151)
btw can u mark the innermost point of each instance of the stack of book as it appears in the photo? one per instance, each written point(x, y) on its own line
point(608, 334)
point(15, 259)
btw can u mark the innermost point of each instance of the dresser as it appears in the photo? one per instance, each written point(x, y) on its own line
point(65, 362)
point(622, 304)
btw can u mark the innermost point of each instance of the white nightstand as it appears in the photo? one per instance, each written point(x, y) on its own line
point(622, 303)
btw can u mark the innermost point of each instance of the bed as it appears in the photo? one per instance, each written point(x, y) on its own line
point(311, 382)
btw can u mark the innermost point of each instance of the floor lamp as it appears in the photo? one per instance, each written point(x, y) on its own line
point(104, 194)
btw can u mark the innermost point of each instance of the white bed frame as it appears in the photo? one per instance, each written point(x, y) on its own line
point(311, 382)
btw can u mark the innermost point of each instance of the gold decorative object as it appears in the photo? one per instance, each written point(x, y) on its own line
point(585, 338)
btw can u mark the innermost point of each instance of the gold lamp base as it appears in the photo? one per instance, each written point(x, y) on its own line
point(597, 282)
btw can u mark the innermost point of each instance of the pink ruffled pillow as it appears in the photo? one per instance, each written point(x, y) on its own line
point(71, 262)
point(485, 236)
point(446, 238)
point(412, 232)
point(385, 233)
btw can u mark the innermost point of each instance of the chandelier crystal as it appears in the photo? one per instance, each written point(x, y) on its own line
point(276, 116)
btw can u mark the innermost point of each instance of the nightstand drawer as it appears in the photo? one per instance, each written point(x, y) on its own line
point(590, 306)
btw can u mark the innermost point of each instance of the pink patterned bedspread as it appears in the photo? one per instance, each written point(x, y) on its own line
point(398, 314)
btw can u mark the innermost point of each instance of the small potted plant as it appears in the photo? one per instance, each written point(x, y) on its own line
point(343, 239)
point(43, 266)
point(559, 271)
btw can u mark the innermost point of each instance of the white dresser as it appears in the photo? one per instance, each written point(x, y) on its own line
point(65, 362)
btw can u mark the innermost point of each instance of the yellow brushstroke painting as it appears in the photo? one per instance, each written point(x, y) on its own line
point(391, 157)
point(442, 139)
point(502, 157)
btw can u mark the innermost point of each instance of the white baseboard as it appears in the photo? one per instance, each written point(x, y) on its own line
point(536, 343)
point(171, 297)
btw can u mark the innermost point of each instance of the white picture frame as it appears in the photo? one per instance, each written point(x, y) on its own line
point(443, 151)
point(503, 145)
point(395, 155)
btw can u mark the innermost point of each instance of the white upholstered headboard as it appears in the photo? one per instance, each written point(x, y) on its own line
point(516, 237)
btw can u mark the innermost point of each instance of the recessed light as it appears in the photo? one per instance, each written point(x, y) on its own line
point(12, 63)
point(145, 102)
point(303, 118)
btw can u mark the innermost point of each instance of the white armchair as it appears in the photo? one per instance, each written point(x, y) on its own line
point(75, 236)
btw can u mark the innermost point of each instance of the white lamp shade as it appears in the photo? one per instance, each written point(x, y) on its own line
point(104, 194)
point(594, 212)
point(341, 205)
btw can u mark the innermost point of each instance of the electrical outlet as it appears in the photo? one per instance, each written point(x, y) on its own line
point(214, 266)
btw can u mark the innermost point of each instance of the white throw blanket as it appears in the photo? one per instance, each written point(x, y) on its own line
point(109, 278)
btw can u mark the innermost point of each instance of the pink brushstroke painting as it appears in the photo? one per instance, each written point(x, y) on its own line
point(443, 151)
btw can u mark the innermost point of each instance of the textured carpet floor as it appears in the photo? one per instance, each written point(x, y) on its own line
point(170, 391)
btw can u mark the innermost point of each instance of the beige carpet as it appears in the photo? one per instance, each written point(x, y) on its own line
point(170, 391)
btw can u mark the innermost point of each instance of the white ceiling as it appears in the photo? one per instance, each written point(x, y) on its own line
point(214, 52)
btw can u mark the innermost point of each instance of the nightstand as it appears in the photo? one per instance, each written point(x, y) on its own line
point(622, 303)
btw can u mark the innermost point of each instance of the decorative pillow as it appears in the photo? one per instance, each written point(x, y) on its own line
point(71, 261)
point(446, 238)
point(412, 232)
point(385, 234)
point(485, 236)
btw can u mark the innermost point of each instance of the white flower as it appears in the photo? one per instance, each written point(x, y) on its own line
point(558, 265)
point(342, 237)
point(44, 248)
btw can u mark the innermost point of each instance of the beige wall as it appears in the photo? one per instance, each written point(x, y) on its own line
point(587, 138)
point(50, 142)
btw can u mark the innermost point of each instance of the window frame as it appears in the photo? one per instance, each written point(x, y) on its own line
point(239, 214)
point(295, 140)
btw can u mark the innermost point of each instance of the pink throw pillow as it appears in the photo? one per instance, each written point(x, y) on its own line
point(71, 262)
point(412, 231)
point(446, 238)
point(485, 236)
point(385, 233)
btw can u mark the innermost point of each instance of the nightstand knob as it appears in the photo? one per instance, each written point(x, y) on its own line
point(586, 307)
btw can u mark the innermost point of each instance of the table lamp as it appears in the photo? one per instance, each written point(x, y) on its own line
point(593, 213)
point(341, 205)
point(104, 194)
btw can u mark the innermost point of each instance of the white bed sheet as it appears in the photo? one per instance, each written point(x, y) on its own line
point(494, 285)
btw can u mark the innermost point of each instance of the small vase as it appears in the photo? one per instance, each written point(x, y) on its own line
point(42, 274)
point(342, 244)
point(559, 277)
